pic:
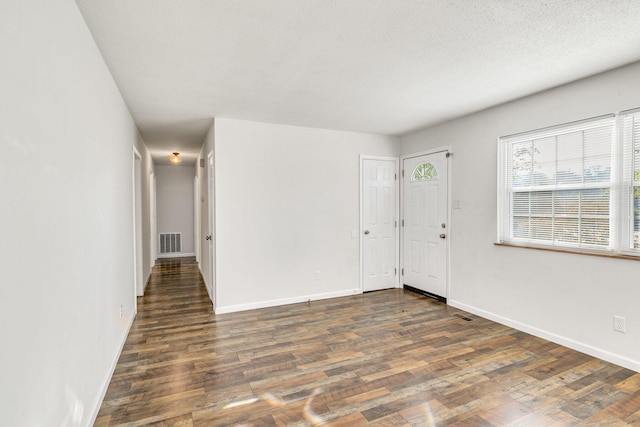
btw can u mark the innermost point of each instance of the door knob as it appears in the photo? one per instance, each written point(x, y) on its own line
point(442, 236)
point(366, 231)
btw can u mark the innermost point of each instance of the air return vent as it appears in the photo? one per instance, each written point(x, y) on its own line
point(465, 318)
point(170, 243)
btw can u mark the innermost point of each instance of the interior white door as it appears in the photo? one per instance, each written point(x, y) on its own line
point(153, 220)
point(379, 222)
point(137, 194)
point(212, 230)
point(425, 212)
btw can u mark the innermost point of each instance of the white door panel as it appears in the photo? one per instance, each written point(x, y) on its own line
point(212, 229)
point(379, 201)
point(425, 185)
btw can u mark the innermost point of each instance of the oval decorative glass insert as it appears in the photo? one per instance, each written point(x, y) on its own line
point(424, 172)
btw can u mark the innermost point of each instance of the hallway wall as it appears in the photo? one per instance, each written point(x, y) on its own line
point(174, 201)
point(287, 203)
point(66, 259)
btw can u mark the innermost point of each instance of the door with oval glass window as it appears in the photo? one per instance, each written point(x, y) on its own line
point(425, 230)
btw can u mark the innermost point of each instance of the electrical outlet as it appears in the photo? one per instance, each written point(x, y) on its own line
point(620, 324)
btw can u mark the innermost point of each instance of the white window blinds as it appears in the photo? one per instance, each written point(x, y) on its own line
point(557, 186)
point(630, 123)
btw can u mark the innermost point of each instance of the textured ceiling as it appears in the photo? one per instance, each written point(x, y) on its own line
point(377, 66)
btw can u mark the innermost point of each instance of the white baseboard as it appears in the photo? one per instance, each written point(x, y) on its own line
point(285, 301)
point(204, 279)
point(107, 381)
point(558, 339)
point(180, 255)
point(146, 282)
point(206, 284)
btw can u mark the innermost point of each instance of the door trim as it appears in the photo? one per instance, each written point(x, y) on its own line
point(196, 215)
point(448, 241)
point(153, 212)
point(213, 253)
point(138, 255)
point(396, 160)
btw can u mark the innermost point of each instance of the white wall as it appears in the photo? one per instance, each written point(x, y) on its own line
point(287, 199)
point(174, 201)
point(66, 258)
point(568, 298)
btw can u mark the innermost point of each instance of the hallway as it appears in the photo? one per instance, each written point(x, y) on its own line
point(390, 358)
point(155, 379)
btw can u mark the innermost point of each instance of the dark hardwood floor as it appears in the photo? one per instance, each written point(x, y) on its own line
point(387, 358)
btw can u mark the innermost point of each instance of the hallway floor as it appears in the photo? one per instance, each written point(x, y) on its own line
point(387, 358)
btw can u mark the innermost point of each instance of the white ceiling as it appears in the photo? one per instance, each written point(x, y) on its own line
point(376, 66)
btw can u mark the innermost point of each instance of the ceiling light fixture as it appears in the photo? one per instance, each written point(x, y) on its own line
point(175, 158)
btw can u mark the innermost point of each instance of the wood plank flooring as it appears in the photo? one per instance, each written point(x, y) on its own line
point(387, 358)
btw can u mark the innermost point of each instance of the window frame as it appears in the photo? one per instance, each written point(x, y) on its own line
point(629, 182)
point(621, 186)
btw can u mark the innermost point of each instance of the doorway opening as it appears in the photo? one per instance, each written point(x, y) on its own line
point(137, 224)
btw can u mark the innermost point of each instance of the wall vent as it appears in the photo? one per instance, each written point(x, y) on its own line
point(170, 243)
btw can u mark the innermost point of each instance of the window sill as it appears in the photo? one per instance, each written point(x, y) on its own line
point(570, 251)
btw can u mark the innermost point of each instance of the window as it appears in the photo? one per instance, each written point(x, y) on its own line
point(631, 165)
point(574, 186)
point(424, 172)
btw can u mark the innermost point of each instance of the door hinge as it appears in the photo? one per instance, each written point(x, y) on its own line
point(395, 271)
point(403, 173)
point(395, 176)
point(395, 224)
point(403, 222)
point(403, 271)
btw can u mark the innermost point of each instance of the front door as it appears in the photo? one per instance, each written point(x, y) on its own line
point(379, 221)
point(425, 188)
